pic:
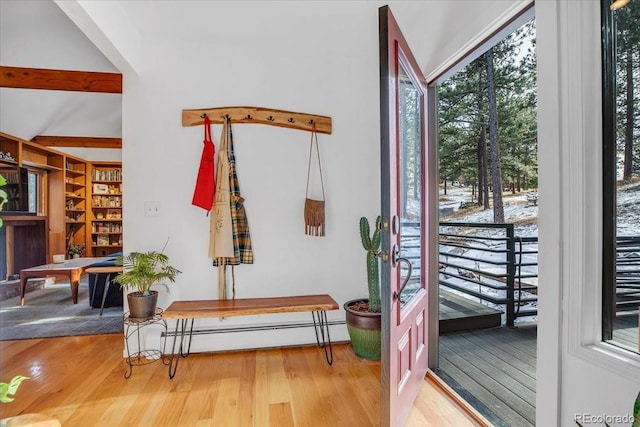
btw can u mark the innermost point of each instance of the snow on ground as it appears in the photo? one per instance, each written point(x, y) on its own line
point(629, 209)
point(524, 214)
point(518, 210)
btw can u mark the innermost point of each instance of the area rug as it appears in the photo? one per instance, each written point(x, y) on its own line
point(50, 312)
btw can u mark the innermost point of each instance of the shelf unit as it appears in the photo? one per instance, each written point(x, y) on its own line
point(40, 157)
point(75, 205)
point(50, 164)
point(64, 213)
point(106, 208)
point(9, 152)
point(31, 239)
point(10, 147)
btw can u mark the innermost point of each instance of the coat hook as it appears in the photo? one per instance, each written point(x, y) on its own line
point(291, 120)
point(203, 115)
point(270, 118)
point(311, 122)
point(249, 117)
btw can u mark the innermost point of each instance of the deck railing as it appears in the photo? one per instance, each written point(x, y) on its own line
point(490, 263)
point(627, 273)
point(487, 262)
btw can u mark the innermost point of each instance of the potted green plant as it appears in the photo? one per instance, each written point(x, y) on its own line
point(364, 315)
point(141, 271)
point(76, 250)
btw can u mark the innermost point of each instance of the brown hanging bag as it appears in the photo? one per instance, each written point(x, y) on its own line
point(314, 209)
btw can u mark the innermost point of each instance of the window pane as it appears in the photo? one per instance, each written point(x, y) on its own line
point(409, 101)
point(33, 192)
point(622, 152)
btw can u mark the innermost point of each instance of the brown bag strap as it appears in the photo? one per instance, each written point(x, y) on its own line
point(314, 137)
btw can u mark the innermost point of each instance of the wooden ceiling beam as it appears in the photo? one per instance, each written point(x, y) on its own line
point(77, 141)
point(77, 81)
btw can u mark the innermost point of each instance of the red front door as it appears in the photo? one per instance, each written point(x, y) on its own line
point(405, 216)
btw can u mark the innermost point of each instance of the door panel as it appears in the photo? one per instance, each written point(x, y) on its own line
point(403, 273)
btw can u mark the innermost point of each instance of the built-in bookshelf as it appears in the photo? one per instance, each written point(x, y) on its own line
point(75, 195)
point(106, 208)
point(56, 200)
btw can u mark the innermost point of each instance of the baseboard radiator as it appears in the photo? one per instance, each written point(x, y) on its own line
point(254, 328)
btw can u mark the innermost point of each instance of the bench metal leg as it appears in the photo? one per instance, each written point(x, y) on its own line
point(185, 344)
point(322, 327)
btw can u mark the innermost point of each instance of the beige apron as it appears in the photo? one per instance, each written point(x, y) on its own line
point(221, 229)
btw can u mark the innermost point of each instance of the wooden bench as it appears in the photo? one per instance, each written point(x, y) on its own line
point(184, 312)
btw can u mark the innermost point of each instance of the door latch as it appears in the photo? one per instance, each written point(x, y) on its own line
point(399, 260)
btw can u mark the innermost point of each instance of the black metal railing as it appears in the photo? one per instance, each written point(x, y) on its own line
point(488, 262)
point(627, 273)
point(485, 261)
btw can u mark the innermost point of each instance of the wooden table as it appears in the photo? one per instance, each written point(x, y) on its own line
point(74, 268)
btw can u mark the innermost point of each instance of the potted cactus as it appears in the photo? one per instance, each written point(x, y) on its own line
point(364, 315)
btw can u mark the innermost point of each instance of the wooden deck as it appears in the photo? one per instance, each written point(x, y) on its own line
point(494, 370)
point(458, 313)
point(625, 331)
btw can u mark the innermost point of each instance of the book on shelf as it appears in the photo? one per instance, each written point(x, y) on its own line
point(107, 227)
point(100, 189)
point(102, 240)
point(106, 175)
point(106, 201)
point(114, 214)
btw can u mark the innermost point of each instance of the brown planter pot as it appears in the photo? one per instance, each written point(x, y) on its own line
point(142, 306)
point(364, 330)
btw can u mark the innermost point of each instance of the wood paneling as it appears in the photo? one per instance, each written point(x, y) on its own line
point(27, 241)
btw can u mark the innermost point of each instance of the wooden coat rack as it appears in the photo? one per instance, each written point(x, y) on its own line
point(258, 115)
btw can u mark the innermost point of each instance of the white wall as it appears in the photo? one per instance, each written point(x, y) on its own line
point(576, 373)
point(315, 57)
point(37, 34)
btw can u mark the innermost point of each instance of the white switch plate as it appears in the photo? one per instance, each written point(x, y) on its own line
point(152, 209)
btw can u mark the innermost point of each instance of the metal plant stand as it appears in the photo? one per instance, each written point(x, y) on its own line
point(143, 356)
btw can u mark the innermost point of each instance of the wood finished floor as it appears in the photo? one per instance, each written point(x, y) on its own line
point(79, 381)
point(495, 371)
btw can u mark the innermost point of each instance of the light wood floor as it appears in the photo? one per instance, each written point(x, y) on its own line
point(79, 381)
